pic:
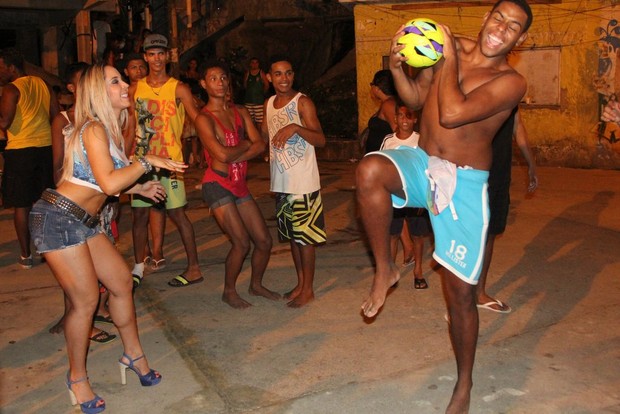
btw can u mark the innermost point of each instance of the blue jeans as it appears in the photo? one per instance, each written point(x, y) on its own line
point(53, 229)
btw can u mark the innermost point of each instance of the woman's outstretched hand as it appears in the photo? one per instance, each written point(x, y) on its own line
point(165, 163)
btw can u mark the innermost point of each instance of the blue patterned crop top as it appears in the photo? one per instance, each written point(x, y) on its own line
point(82, 171)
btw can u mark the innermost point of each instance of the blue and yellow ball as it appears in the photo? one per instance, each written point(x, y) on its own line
point(423, 40)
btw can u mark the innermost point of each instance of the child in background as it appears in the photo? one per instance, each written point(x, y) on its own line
point(418, 222)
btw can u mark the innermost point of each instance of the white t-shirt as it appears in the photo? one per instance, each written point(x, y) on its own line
point(391, 141)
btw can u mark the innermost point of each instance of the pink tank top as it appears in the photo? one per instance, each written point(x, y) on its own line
point(235, 181)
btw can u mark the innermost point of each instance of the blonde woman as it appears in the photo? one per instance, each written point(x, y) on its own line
point(66, 230)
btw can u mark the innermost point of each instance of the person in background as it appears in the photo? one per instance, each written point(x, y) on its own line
point(136, 69)
point(294, 130)
point(499, 198)
point(192, 148)
point(192, 71)
point(231, 139)
point(162, 103)
point(417, 220)
point(256, 86)
point(382, 123)
point(27, 107)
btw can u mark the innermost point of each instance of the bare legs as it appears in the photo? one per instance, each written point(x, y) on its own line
point(186, 231)
point(418, 252)
point(244, 223)
point(481, 295)
point(157, 225)
point(77, 272)
point(408, 246)
point(304, 259)
point(139, 232)
point(376, 180)
point(20, 221)
point(102, 310)
point(463, 328)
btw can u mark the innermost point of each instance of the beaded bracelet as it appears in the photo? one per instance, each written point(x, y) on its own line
point(145, 164)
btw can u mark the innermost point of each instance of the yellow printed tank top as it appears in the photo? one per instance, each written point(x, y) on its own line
point(159, 120)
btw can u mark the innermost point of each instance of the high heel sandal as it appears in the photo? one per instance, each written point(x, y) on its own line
point(89, 407)
point(150, 378)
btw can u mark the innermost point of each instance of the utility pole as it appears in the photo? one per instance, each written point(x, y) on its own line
point(173, 42)
point(84, 38)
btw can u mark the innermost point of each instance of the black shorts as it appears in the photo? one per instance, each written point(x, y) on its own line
point(216, 196)
point(499, 203)
point(27, 172)
point(418, 221)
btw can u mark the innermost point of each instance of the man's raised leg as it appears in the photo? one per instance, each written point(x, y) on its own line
point(461, 302)
point(376, 180)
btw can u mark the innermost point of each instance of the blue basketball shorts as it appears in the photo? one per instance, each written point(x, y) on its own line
point(460, 231)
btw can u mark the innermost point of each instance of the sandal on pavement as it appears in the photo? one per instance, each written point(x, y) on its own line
point(104, 319)
point(495, 306)
point(157, 265)
point(420, 283)
point(137, 281)
point(149, 379)
point(94, 406)
point(181, 281)
point(103, 337)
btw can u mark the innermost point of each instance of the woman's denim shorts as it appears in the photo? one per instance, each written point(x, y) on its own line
point(53, 229)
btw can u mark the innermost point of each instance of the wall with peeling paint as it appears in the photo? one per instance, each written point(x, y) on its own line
point(568, 134)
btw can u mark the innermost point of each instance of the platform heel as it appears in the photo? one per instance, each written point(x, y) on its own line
point(94, 406)
point(150, 378)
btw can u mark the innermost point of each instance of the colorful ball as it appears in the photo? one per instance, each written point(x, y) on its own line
point(423, 40)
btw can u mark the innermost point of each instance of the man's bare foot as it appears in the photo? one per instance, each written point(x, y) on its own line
point(292, 294)
point(235, 301)
point(301, 300)
point(380, 286)
point(459, 403)
point(264, 292)
point(59, 326)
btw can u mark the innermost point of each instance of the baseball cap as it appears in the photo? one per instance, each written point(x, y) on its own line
point(155, 41)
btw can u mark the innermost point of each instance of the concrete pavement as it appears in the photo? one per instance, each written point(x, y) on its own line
point(558, 351)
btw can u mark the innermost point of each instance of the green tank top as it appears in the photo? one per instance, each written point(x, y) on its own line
point(254, 90)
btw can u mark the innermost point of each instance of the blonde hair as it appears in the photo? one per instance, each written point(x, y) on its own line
point(92, 105)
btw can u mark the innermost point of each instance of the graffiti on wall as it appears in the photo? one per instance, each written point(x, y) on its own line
point(607, 82)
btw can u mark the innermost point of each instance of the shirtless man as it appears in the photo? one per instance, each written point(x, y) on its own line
point(467, 96)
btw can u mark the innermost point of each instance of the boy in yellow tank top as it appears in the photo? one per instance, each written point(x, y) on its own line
point(162, 102)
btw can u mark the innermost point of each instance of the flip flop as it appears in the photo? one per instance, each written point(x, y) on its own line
point(104, 319)
point(181, 281)
point(137, 280)
point(157, 265)
point(420, 283)
point(503, 307)
point(103, 337)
